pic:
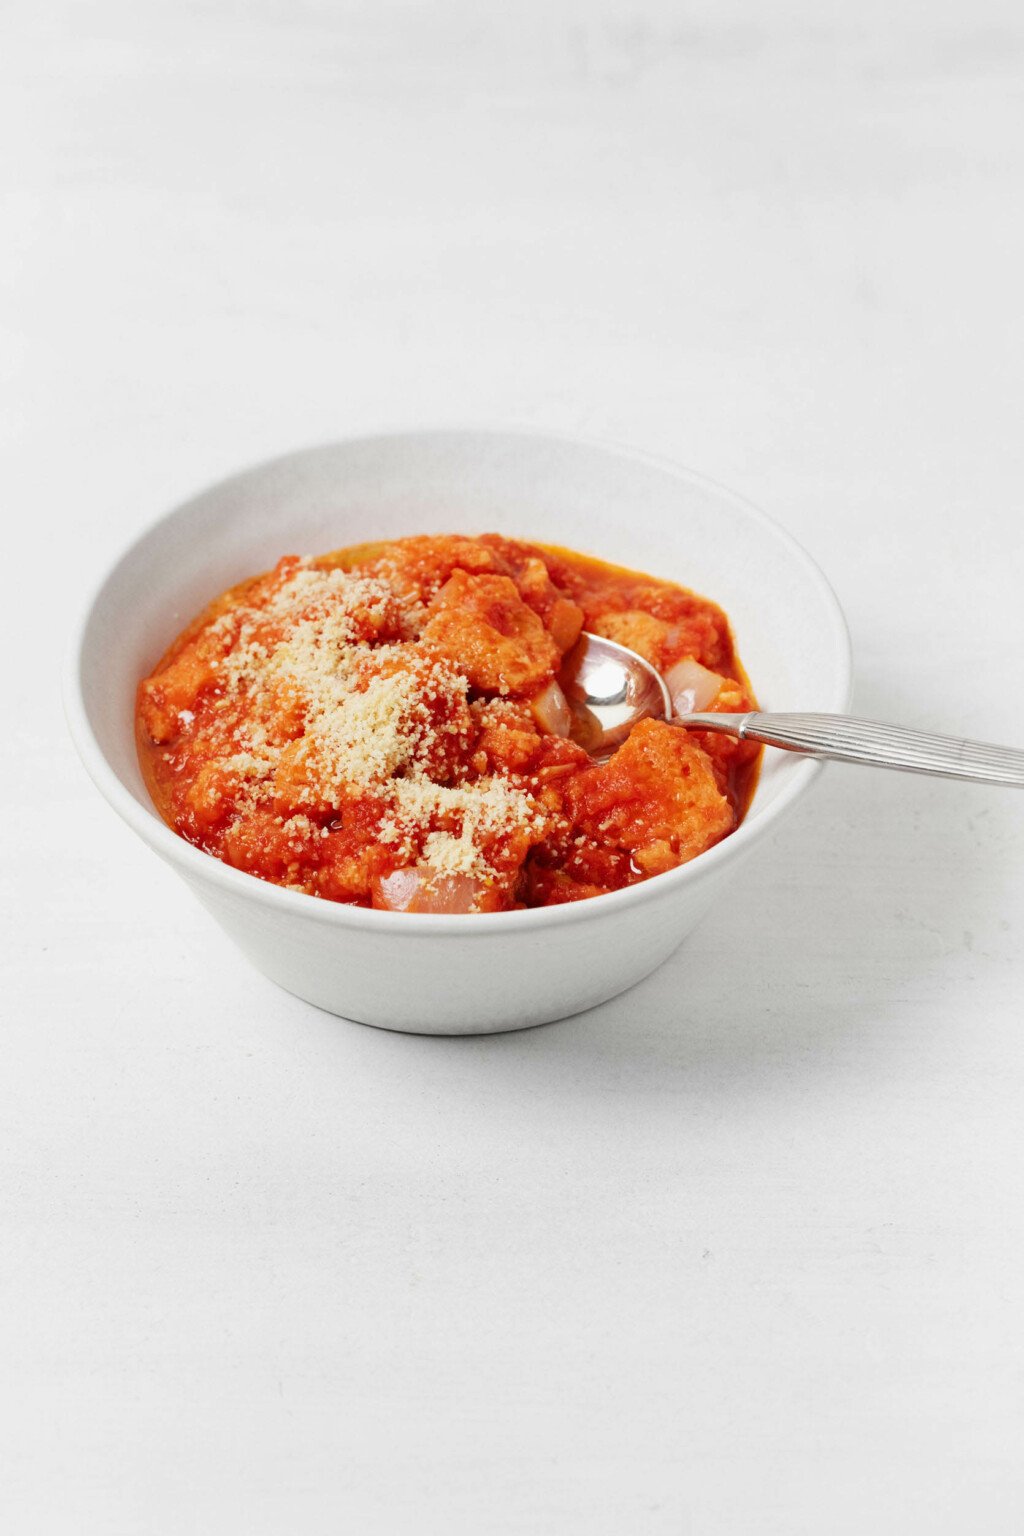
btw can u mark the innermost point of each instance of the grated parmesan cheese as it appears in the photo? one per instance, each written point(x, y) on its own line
point(368, 709)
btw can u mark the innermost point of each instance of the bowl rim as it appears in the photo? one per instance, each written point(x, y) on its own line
point(205, 868)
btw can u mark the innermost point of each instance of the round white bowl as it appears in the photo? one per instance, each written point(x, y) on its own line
point(469, 974)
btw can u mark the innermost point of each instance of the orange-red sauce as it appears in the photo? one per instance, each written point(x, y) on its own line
point(381, 726)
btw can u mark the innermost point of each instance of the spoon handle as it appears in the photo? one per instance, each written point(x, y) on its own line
point(866, 741)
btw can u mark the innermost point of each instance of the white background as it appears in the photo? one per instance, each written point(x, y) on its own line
point(741, 1251)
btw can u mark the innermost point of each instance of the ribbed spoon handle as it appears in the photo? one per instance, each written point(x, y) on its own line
point(867, 741)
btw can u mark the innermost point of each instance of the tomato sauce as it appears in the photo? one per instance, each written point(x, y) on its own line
point(383, 726)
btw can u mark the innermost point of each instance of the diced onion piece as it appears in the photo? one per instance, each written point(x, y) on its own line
point(691, 686)
point(551, 711)
point(396, 892)
point(419, 890)
point(449, 893)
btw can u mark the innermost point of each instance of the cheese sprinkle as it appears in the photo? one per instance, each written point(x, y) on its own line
point(370, 711)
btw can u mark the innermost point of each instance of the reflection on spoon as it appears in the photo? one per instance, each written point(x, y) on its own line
point(609, 688)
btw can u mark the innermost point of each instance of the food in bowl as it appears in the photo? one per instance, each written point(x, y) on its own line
point(384, 727)
point(440, 974)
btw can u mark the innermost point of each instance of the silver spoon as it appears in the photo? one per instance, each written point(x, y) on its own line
point(610, 688)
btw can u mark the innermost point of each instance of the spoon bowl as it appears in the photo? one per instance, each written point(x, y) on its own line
point(610, 689)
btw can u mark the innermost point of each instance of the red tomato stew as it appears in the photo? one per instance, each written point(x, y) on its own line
point(383, 726)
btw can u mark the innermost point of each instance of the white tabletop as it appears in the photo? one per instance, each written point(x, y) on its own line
point(741, 1251)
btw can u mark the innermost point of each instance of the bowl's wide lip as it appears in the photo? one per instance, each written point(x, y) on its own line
point(234, 883)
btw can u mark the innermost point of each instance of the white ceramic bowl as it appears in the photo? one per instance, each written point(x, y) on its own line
point(469, 974)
